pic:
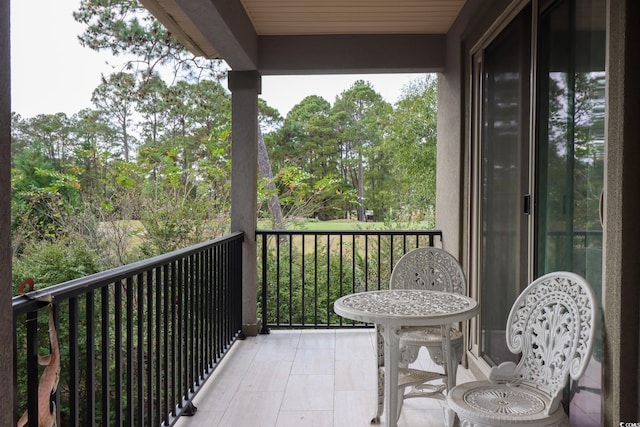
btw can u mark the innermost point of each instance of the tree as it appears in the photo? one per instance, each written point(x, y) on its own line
point(87, 177)
point(410, 144)
point(195, 111)
point(49, 132)
point(305, 150)
point(360, 116)
point(268, 117)
point(302, 195)
point(42, 199)
point(45, 188)
point(269, 187)
point(307, 138)
point(187, 155)
point(127, 29)
point(115, 99)
point(152, 105)
point(93, 138)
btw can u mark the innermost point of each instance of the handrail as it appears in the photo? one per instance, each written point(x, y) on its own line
point(434, 233)
point(302, 272)
point(136, 342)
point(73, 288)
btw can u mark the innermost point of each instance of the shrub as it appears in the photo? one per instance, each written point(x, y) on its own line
point(51, 263)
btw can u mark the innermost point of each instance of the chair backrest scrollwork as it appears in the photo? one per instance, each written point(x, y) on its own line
point(552, 323)
point(428, 268)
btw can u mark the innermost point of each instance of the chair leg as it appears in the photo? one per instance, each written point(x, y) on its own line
point(400, 397)
point(380, 368)
point(380, 403)
point(453, 373)
point(457, 354)
point(450, 417)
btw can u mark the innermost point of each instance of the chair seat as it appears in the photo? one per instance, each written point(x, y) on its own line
point(487, 403)
point(428, 336)
point(431, 339)
point(408, 377)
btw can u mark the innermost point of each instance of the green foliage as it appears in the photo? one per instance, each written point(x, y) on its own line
point(360, 116)
point(126, 28)
point(114, 98)
point(410, 144)
point(92, 150)
point(302, 195)
point(306, 274)
point(50, 263)
point(305, 157)
point(176, 181)
point(307, 138)
point(178, 209)
point(42, 199)
point(269, 118)
point(297, 295)
point(147, 168)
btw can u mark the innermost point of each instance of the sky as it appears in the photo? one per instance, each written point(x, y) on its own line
point(52, 73)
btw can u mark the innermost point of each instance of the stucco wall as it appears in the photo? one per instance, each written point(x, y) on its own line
point(6, 314)
point(622, 216)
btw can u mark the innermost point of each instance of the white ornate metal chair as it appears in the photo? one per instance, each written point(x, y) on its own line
point(552, 323)
point(432, 269)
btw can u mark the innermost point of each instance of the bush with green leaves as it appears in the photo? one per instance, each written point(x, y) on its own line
point(50, 263)
point(305, 275)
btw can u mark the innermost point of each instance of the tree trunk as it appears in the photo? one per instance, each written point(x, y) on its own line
point(125, 140)
point(361, 211)
point(264, 165)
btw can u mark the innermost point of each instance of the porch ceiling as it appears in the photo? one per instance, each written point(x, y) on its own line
point(295, 17)
point(313, 36)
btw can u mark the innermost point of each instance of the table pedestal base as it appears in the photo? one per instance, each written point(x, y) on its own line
point(393, 377)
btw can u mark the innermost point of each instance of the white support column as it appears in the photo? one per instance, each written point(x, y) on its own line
point(245, 87)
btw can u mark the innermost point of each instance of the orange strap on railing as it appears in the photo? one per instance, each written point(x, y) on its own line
point(26, 282)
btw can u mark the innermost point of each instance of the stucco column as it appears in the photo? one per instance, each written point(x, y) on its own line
point(245, 87)
point(6, 314)
point(621, 381)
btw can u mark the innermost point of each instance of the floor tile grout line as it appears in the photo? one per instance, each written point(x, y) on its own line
point(261, 349)
point(284, 393)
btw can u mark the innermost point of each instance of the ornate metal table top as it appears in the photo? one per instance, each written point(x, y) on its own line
point(404, 307)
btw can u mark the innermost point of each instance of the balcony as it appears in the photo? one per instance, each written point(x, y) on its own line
point(138, 343)
point(304, 378)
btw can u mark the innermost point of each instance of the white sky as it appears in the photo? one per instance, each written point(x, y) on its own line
point(52, 73)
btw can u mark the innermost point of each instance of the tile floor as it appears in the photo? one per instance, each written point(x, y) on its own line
point(304, 378)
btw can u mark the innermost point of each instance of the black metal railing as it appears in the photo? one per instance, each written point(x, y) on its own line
point(302, 273)
point(136, 342)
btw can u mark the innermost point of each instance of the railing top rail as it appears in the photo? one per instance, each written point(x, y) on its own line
point(73, 288)
point(353, 232)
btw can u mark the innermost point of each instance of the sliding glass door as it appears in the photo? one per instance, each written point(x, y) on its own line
point(570, 164)
point(503, 77)
point(547, 141)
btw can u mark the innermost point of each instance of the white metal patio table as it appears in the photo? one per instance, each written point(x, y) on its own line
point(395, 310)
